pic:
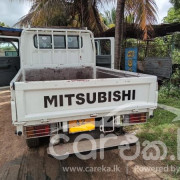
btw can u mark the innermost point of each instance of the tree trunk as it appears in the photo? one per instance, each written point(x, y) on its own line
point(119, 32)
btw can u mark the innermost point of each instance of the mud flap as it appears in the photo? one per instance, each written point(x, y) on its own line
point(111, 141)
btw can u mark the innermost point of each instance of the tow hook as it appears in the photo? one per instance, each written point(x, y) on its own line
point(19, 133)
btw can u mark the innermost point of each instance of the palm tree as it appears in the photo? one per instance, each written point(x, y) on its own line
point(144, 13)
point(119, 32)
point(78, 13)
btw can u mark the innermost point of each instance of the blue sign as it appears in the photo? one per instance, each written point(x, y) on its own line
point(131, 57)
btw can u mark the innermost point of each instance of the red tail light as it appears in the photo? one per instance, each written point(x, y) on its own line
point(135, 118)
point(43, 130)
point(35, 131)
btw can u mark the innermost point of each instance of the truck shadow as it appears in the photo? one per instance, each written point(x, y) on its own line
point(35, 164)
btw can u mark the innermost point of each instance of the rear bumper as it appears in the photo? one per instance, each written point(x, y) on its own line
point(110, 141)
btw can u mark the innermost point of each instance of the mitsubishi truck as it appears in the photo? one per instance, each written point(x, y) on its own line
point(60, 90)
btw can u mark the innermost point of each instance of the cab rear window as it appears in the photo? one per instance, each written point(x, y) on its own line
point(59, 42)
point(45, 42)
point(73, 42)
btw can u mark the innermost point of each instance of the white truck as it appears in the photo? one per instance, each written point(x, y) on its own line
point(59, 88)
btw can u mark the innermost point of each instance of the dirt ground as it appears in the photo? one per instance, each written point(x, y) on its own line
point(19, 162)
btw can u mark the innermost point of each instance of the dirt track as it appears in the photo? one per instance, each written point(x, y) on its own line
point(18, 162)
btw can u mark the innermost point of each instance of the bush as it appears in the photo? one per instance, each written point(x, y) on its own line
point(176, 56)
point(171, 88)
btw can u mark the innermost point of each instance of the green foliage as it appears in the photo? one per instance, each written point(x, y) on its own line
point(176, 75)
point(176, 3)
point(156, 48)
point(46, 13)
point(169, 92)
point(173, 16)
point(161, 128)
point(4, 47)
point(111, 26)
point(176, 56)
point(169, 101)
point(168, 46)
point(109, 18)
point(175, 48)
point(130, 18)
point(7, 48)
point(141, 47)
point(160, 47)
point(170, 89)
point(2, 24)
point(131, 43)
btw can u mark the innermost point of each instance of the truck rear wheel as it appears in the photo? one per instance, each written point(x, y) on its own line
point(119, 131)
point(32, 143)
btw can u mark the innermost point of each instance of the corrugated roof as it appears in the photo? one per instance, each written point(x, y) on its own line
point(10, 31)
point(132, 31)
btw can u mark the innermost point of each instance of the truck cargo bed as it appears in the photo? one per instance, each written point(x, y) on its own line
point(41, 94)
point(73, 73)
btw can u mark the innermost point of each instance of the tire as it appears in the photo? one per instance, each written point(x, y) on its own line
point(32, 143)
point(120, 131)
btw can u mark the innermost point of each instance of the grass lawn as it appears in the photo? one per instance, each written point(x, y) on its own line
point(170, 101)
point(161, 128)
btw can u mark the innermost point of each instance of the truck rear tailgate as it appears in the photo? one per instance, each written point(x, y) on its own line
point(76, 99)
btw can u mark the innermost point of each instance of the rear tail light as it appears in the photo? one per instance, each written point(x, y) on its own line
point(135, 118)
point(30, 131)
point(36, 131)
point(43, 130)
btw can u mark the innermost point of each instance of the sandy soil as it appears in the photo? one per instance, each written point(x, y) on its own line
point(19, 162)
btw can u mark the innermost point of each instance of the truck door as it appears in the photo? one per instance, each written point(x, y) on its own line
point(105, 52)
point(9, 60)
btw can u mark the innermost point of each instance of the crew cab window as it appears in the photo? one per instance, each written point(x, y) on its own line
point(45, 41)
point(9, 49)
